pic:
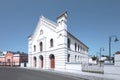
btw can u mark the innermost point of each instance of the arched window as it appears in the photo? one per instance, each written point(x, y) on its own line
point(41, 46)
point(68, 58)
point(51, 42)
point(35, 61)
point(68, 43)
point(34, 48)
point(41, 61)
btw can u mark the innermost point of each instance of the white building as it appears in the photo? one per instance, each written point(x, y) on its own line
point(117, 58)
point(51, 46)
point(3, 53)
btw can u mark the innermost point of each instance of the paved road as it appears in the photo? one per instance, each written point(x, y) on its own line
point(9, 73)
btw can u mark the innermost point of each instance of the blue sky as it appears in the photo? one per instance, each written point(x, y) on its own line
point(91, 21)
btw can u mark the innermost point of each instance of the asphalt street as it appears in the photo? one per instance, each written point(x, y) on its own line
point(11, 73)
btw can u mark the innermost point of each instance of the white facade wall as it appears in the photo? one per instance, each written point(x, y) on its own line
point(80, 55)
point(44, 32)
point(74, 67)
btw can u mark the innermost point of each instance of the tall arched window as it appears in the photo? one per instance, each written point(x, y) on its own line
point(68, 58)
point(51, 42)
point(35, 61)
point(34, 48)
point(68, 43)
point(41, 46)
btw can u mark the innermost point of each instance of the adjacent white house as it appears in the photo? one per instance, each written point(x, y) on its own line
point(51, 46)
point(117, 58)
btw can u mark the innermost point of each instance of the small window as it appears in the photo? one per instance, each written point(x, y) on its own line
point(41, 46)
point(41, 32)
point(51, 42)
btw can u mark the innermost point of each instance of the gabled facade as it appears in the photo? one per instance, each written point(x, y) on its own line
point(51, 46)
point(13, 59)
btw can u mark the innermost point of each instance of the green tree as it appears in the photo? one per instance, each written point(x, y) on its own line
point(94, 57)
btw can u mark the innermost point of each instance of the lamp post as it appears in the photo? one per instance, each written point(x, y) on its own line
point(110, 39)
point(101, 49)
point(97, 56)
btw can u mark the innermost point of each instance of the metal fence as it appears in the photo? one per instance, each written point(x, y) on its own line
point(93, 68)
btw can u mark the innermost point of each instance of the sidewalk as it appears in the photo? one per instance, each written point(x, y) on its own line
point(84, 75)
point(94, 76)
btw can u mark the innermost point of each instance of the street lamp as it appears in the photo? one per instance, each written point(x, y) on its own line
point(110, 39)
point(97, 56)
point(101, 49)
